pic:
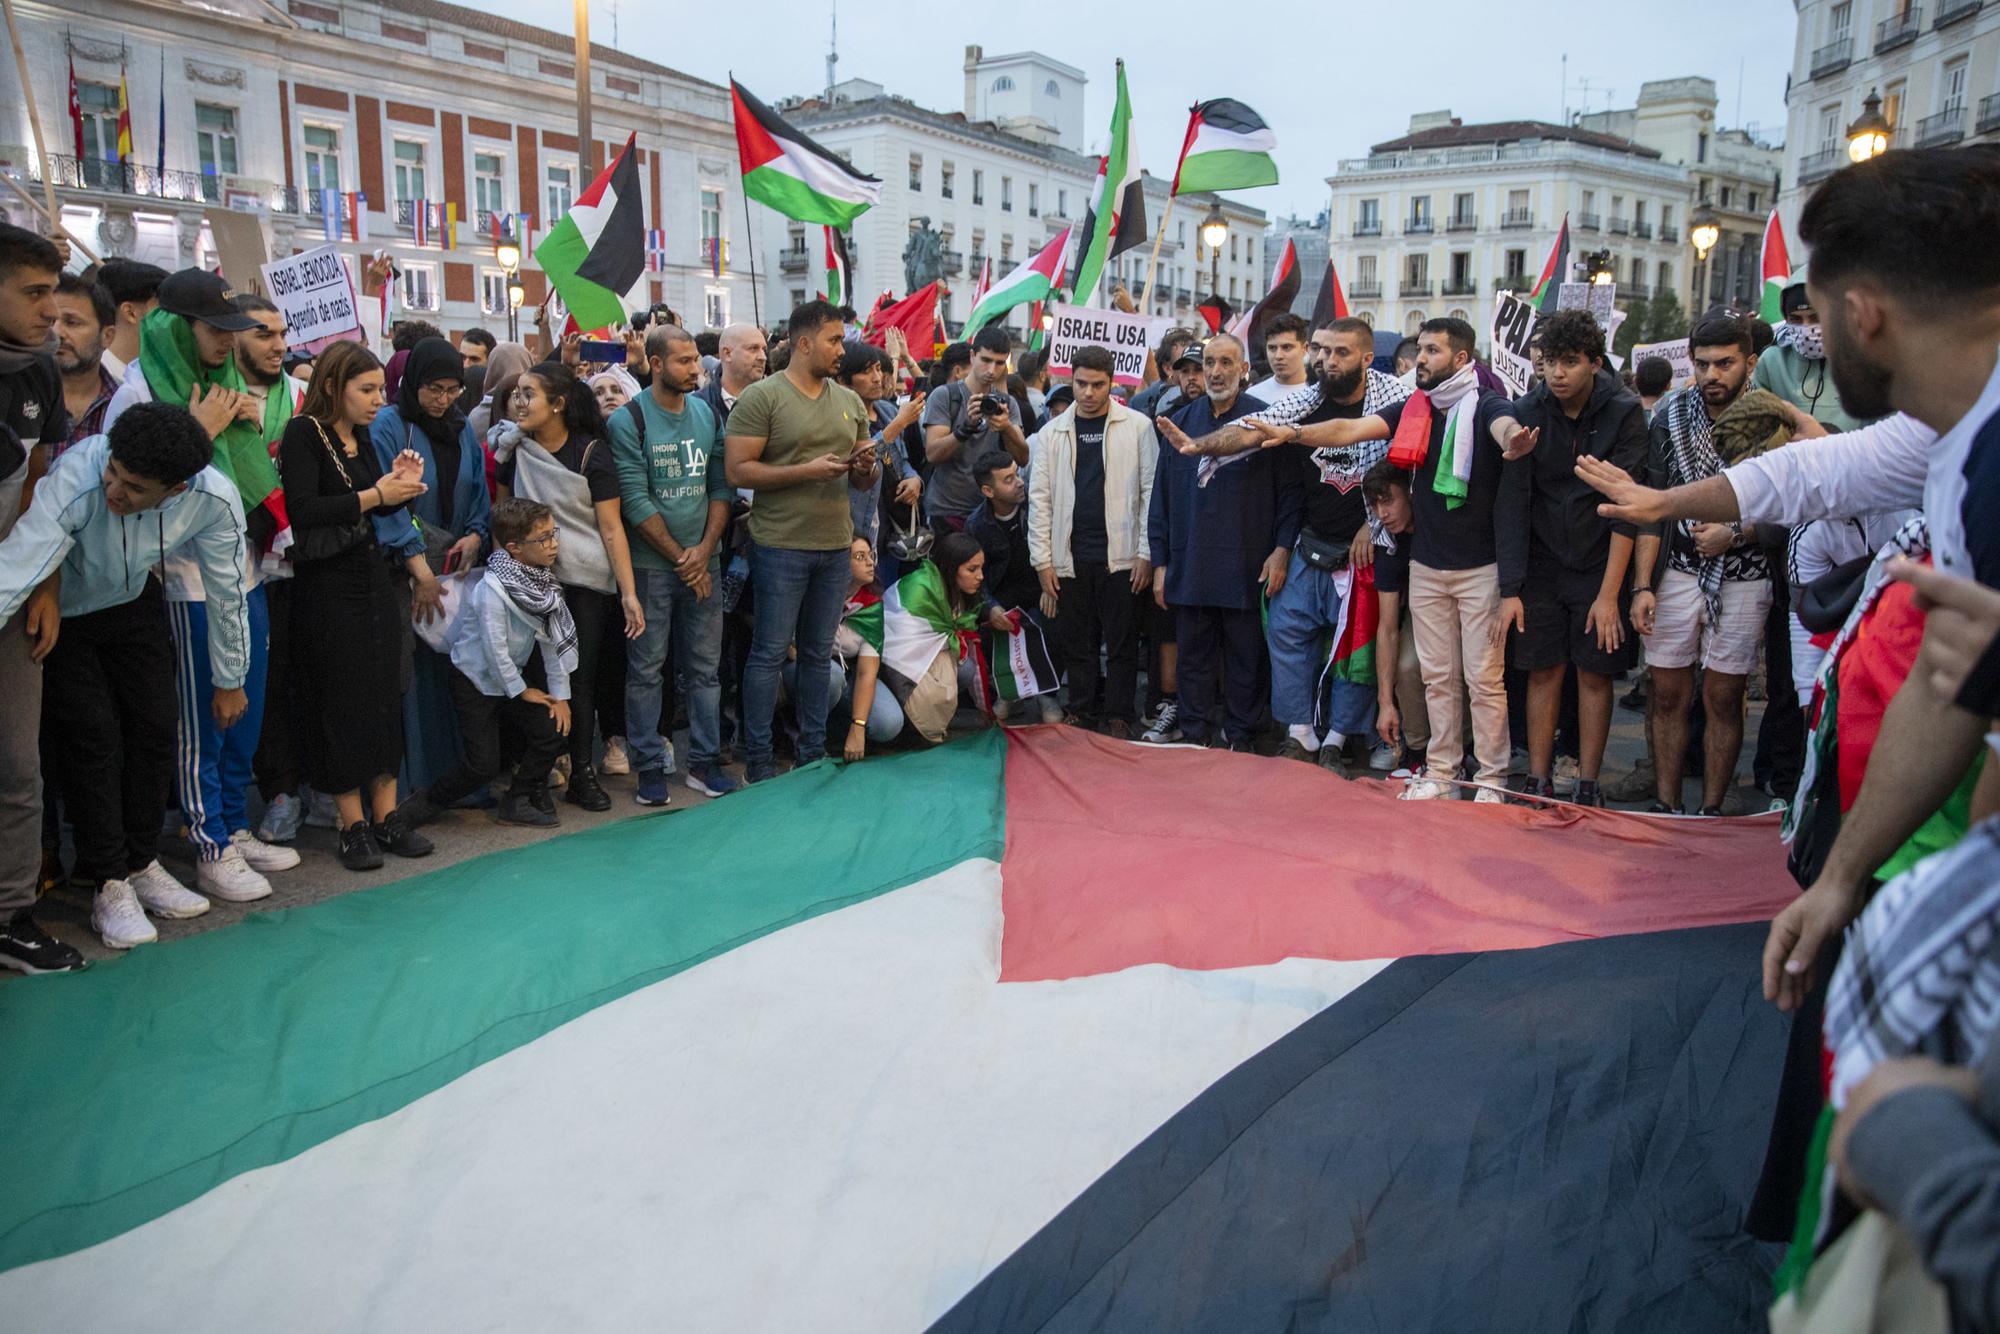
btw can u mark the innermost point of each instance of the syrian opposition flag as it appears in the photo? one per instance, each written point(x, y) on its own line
point(1554, 273)
point(1116, 221)
point(1030, 282)
point(1331, 303)
point(787, 172)
point(1034, 1029)
point(1023, 667)
point(596, 254)
point(1228, 147)
point(839, 285)
point(1776, 266)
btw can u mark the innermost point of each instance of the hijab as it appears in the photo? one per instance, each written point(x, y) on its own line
point(430, 360)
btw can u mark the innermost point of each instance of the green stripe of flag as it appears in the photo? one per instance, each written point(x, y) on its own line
point(793, 198)
point(561, 253)
point(1227, 169)
point(147, 1081)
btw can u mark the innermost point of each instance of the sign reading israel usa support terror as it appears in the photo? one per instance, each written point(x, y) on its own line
point(1126, 337)
point(1513, 326)
point(316, 293)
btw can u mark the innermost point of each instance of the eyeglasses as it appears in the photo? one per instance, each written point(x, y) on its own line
point(441, 389)
point(547, 539)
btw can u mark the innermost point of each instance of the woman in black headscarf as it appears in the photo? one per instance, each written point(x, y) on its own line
point(438, 536)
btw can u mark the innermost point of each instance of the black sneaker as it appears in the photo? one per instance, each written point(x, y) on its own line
point(358, 849)
point(1292, 750)
point(584, 790)
point(26, 948)
point(1711, 812)
point(418, 809)
point(1588, 793)
point(1661, 808)
point(393, 834)
point(521, 808)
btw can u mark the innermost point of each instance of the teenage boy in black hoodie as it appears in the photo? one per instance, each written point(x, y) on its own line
point(1562, 567)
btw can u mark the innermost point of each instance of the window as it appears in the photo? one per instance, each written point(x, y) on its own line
point(1003, 84)
point(1364, 271)
point(1617, 208)
point(1892, 105)
point(1461, 208)
point(978, 186)
point(711, 218)
point(1829, 129)
point(1701, 146)
point(100, 120)
point(1007, 249)
point(489, 186)
point(1052, 88)
point(493, 291)
point(978, 241)
point(410, 170)
point(1232, 247)
point(322, 158)
point(798, 297)
point(1517, 203)
point(1590, 201)
point(1638, 273)
point(1751, 201)
point(1638, 213)
point(715, 304)
point(916, 171)
point(1180, 233)
point(1232, 289)
point(1414, 322)
point(1062, 203)
point(1666, 218)
point(1727, 193)
point(1370, 221)
point(1420, 211)
point(420, 286)
point(1419, 270)
point(1517, 263)
point(1461, 270)
point(945, 174)
point(1954, 87)
point(1666, 278)
point(1034, 200)
point(1006, 194)
point(562, 191)
point(215, 143)
point(1839, 20)
point(795, 237)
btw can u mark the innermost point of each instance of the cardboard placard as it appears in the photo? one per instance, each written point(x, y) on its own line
point(1127, 337)
point(1514, 320)
point(316, 293)
point(239, 248)
point(1600, 299)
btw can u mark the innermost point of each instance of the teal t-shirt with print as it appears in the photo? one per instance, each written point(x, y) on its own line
point(674, 472)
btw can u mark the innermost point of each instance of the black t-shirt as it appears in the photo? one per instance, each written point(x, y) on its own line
point(1332, 514)
point(1460, 538)
point(1088, 541)
point(32, 412)
point(1392, 568)
point(599, 470)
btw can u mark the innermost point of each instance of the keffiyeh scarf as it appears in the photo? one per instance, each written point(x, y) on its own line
point(1804, 339)
point(1458, 397)
point(535, 591)
point(1692, 438)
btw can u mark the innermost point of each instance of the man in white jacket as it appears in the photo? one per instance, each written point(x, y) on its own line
point(1090, 488)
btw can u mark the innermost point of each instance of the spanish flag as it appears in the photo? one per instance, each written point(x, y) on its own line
point(124, 121)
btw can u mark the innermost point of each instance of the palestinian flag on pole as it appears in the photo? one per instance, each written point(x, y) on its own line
point(789, 173)
point(1554, 273)
point(1117, 218)
point(1331, 303)
point(982, 284)
point(1030, 282)
point(1776, 266)
point(839, 282)
point(1122, 1041)
point(1228, 147)
point(597, 253)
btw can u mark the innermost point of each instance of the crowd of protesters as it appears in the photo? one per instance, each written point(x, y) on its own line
point(376, 591)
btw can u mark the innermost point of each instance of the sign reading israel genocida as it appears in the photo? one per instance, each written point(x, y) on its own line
point(316, 293)
point(1126, 337)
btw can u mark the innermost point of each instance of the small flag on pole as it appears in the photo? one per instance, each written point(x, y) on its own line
point(451, 226)
point(420, 221)
point(656, 250)
point(787, 172)
point(357, 215)
point(160, 144)
point(715, 254)
point(1228, 147)
point(839, 288)
point(1776, 266)
point(124, 121)
point(1554, 273)
point(75, 110)
point(329, 213)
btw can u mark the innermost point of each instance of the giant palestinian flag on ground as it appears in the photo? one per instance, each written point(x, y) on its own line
point(1034, 1030)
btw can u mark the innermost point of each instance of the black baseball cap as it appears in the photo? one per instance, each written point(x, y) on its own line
point(197, 294)
point(1192, 352)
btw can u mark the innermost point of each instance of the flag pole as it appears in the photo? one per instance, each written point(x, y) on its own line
point(35, 121)
point(750, 239)
point(1146, 301)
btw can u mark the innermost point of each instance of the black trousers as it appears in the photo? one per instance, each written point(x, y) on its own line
point(482, 720)
point(279, 763)
point(1221, 651)
point(597, 686)
point(1097, 608)
point(109, 722)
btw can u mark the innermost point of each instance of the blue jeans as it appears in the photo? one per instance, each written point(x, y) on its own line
point(1299, 629)
point(885, 713)
point(695, 628)
point(799, 596)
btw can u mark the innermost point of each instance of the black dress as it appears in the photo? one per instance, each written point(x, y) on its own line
point(348, 626)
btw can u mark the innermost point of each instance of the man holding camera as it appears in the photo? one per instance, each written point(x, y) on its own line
point(962, 422)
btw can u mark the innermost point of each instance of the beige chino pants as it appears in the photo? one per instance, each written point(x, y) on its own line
point(1452, 613)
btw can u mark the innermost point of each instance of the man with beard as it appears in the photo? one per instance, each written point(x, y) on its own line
point(85, 322)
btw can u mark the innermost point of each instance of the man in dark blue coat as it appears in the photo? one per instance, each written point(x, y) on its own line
point(1220, 543)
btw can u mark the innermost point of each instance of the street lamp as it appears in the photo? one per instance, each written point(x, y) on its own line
point(1868, 136)
point(1599, 264)
point(1214, 231)
point(1704, 229)
point(508, 253)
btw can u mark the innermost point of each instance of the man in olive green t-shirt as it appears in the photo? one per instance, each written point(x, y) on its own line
point(798, 441)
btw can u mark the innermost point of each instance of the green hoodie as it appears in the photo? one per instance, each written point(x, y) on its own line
point(172, 366)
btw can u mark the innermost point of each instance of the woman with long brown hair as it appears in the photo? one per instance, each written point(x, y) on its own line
point(347, 618)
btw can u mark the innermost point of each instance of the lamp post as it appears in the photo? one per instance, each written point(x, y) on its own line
point(1868, 136)
point(1598, 264)
point(507, 254)
point(1214, 231)
point(1704, 229)
point(516, 294)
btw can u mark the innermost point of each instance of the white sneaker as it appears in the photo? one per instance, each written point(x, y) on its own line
point(1051, 709)
point(118, 919)
point(1382, 758)
point(230, 878)
point(1565, 776)
point(260, 855)
point(1166, 724)
point(617, 760)
point(282, 817)
point(1489, 797)
point(321, 813)
point(164, 896)
point(1425, 789)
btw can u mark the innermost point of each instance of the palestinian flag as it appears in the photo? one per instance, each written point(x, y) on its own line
point(1554, 273)
point(1032, 1030)
point(1228, 147)
point(839, 282)
point(1031, 282)
point(1776, 266)
point(1331, 303)
point(1284, 290)
point(597, 253)
point(1022, 664)
point(789, 173)
point(1116, 222)
point(983, 283)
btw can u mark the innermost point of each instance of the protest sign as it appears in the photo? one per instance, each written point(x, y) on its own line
point(316, 294)
point(239, 248)
point(1126, 337)
point(1600, 299)
point(1514, 321)
point(1676, 355)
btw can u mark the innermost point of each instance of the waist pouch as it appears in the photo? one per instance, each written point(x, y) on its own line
point(1321, 554)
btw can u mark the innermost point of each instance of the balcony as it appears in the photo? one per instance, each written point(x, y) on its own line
point(1366, 291)
point(1831, 58)
point(1515, 219)
point(1989, 113)
point(1417, 227)
point(1951, 11)
point(1590, 222)
point(97, 176)
point(1947, 127)
point(792, 261)
point(1463, 222)
point(1642, 231)
point(1368, 228)
point(975, 262)
point(1818, 166)
point(1619, 227)
point(1668, 232)
point(1898, 30)
point(1460, 287)
point(953, 261)
point(1514, 282)
point(1410, 288)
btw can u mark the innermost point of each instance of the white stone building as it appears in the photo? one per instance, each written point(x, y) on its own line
point(266, 104)
point(1935, 65)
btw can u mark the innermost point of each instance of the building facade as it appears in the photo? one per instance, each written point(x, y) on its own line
point(268, 105)
point(988, 191)
point(1439, 221)
point(1935, 66)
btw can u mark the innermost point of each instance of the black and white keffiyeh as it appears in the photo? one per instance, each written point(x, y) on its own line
point(1693, 458)
point(1919, 973)
point(1343, 467)
point(535, 591)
